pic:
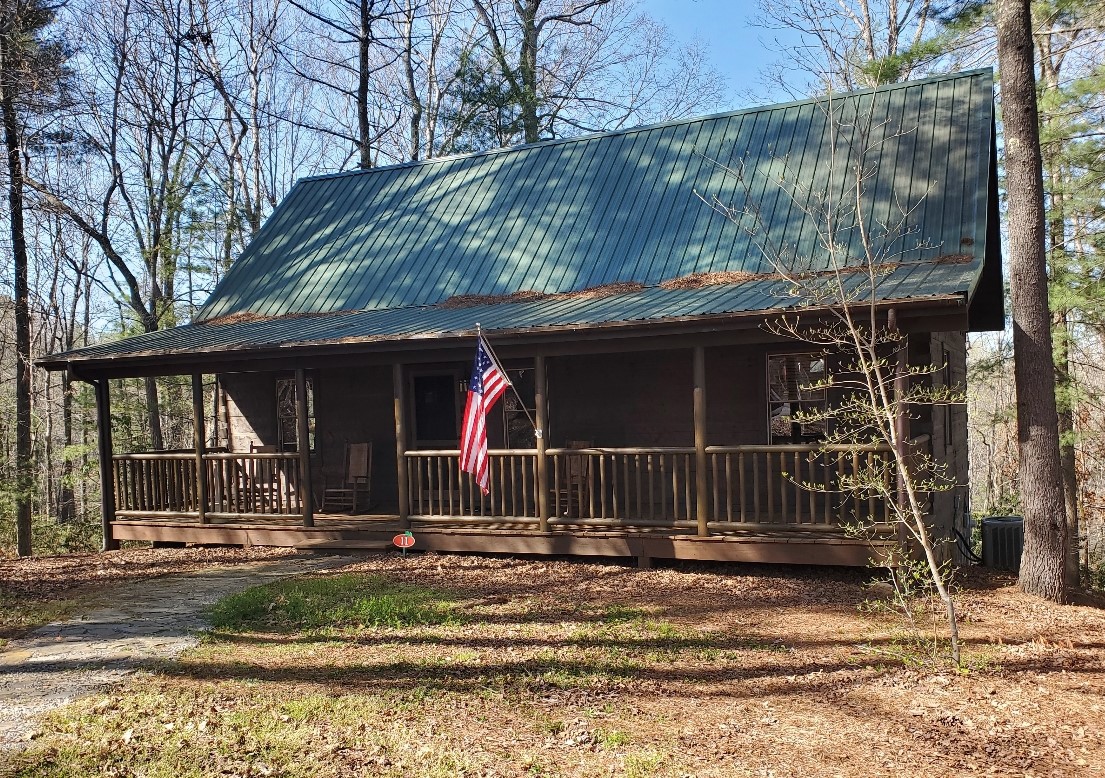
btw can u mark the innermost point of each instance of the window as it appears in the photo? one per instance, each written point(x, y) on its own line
point(287, 424)
point(789, 381)
point(517, 427)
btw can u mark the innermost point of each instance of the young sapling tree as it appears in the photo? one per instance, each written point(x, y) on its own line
point(840, 281)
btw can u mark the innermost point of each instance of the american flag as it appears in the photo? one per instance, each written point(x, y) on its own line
point(487, 385)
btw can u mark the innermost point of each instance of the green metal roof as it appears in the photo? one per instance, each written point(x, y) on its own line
point(622, 207)
point(369, 256)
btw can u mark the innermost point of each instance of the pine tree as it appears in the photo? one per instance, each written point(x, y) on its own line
point(1043, 561)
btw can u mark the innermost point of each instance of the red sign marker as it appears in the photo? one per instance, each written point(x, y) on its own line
point(403, 541)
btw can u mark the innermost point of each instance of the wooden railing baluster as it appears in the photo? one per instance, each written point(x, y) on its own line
point(728, 487)
point(714, 471)
point(756, 486)
point(627, 508)
point(855, 475)
point(769, 479)
point(687, 488)
point(796, 479)
point(674, 486)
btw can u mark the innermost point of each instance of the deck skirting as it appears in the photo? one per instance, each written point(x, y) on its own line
point(780, 545)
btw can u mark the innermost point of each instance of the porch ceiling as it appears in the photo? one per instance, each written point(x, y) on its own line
point(575, 315)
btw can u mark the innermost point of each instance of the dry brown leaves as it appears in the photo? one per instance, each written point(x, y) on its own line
point(801, 682)
point(529, 295)
point(248, 317)
point(53, 577)
point(472, 300)
point(698, 280)
point(790, 677)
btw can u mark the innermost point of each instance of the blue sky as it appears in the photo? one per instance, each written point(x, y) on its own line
point(738, 49)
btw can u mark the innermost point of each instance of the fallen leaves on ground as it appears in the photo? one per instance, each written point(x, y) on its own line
point(572, 668)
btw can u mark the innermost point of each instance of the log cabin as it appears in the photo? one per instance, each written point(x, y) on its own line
point(629, 298)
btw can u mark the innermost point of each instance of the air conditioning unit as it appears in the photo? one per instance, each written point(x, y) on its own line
point(1002, 542)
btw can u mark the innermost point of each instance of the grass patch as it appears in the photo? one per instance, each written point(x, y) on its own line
point(643, 764)
point(611, 739)
point(346, 601)
point(631, 631)
point(158, 732)
point(621, 614)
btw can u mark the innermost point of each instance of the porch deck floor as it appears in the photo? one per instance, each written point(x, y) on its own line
point(794, 544)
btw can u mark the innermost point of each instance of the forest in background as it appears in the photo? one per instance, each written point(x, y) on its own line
point(156, 136)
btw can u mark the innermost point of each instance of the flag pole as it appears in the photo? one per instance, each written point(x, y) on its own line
point(495, 358)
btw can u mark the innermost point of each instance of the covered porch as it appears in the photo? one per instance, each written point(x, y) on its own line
point(644, 452)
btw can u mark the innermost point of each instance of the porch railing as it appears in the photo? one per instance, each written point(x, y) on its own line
point(240, 484)
point(794, 484)
point(645, 485)
point(162, 482)
point(746, 486)
point(166, 485)
point(784, 485)
point(438, 488)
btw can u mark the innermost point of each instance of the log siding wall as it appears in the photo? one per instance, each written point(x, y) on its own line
point(641, 399)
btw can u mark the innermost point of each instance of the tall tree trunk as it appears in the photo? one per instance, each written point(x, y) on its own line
point(527, 66)
point(415, 104)
point(1041, 477)
point(24, 476)
point(153, 414)
point(67, 508)
point(364, 129)
point(1065, 382)
point(1066, 400)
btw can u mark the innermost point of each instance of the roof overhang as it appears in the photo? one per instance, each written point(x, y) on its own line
point(935, 313)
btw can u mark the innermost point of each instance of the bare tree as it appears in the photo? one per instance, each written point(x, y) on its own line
point(551, 68)
point(850, 44)
point(350, 42)
point(65, 278)
point(261, 143)
point(434, 35)
point(142, 126)
point(871, 388)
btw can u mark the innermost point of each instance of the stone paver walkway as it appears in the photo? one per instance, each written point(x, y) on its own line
point(126, 625)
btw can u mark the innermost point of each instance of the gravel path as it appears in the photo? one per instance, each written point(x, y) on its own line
point(127, 625)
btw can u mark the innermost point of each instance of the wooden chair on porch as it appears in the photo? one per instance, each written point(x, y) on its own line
point(355, 493)
point(574, 492)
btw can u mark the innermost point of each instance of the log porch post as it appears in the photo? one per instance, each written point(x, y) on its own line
point(542, 443)
point(401, 444)
point(199, 437)
point(702, 498)
point(303, 433)
point(107, 466)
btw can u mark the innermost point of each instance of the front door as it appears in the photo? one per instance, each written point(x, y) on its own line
point(436, 410)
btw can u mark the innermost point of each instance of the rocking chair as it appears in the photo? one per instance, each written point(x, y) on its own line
point(574, 494)
point(356, 489)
